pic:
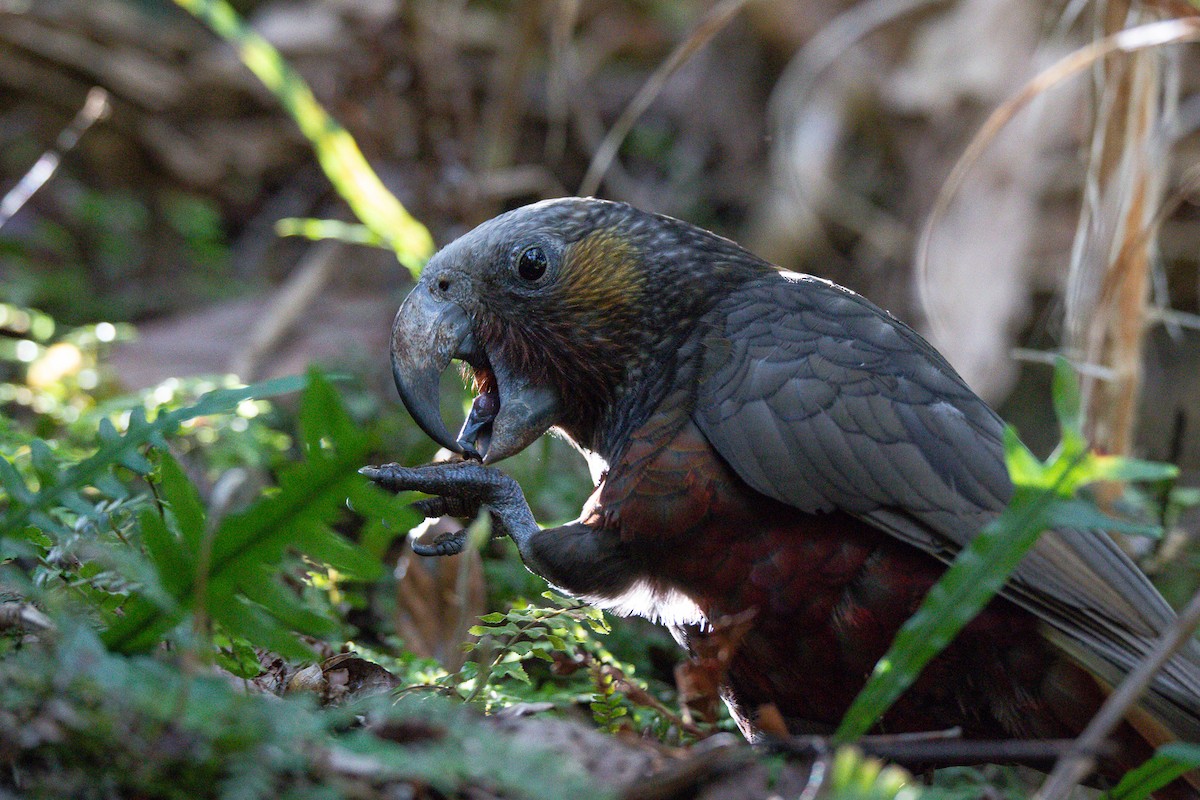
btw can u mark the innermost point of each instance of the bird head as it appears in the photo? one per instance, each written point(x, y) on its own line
point(553, 309)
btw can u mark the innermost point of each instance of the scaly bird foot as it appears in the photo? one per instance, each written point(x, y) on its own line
point(459, 489)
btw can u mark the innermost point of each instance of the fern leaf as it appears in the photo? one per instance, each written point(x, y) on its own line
point(247, 547)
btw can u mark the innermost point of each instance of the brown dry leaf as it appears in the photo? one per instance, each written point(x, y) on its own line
point(342, 677)
point(348, 676)
point(438, 599)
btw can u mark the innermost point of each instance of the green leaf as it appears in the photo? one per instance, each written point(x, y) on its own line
point(284, 605)
point(43, 461)
point(73, 501)
point(141, 625)
point(1084, 514)
point(344, 556)
point(135, 461)
point(511, 669)
point(972, 580)
point(35, 536)
point(11, 480)
point(223, 401)
point(386, 516)
point(111, 487)
point(255, 624)
point(1170, 762)
point(318, 229)
point(1023, 466)
point(1043, 496)
point(1067, 401)
point(175, 569)
point(1120, 468)
point(181, 496)
point(116, 448)
point(249, 545)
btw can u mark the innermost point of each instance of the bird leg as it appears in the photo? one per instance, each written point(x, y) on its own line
point(576, 558)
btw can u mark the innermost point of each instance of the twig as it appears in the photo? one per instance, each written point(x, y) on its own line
point(1080, 759)
point(1171, 316)
point(716, 19)
point(816, 775)
point(830, 44)
point(288, 306)
point(1051, 358)
point(635, 694)
point(557, 84)
point(95, 108)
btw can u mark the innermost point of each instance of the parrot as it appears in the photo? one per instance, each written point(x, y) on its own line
point(768, 444)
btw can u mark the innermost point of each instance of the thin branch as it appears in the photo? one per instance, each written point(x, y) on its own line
point(1171, 316)
point(286, 309)
point(558, 109)
point(95, 107)
point(1051, 358)
point(717, 18)
point(1080, 760)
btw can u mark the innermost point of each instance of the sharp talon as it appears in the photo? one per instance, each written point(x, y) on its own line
point(445, 547)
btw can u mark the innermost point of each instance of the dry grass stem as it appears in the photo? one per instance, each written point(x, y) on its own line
point(1142, 37)
point(95, 108)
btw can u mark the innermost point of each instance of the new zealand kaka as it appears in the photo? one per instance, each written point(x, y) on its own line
point(763, 442)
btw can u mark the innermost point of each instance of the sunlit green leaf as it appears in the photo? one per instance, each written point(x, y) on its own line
point(336, 150)
point(246, 544)
point(319, 229)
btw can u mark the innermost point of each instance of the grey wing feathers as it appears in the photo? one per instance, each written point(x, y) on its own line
point(819, 399)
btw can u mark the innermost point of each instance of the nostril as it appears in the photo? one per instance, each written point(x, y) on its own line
point(443, 284)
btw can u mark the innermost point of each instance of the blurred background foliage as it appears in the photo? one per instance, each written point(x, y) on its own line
point(148, 271)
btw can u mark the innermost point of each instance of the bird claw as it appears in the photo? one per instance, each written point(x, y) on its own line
point(446, 544)
point(459, 489)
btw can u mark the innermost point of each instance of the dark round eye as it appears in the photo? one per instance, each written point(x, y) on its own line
point(532, 263)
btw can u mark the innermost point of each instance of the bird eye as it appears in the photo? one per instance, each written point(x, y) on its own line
point(532, 263)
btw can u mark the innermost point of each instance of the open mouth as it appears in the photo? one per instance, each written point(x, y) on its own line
point(510, 409)
point(475, 437)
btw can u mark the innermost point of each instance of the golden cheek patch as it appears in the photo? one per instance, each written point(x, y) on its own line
point(601, 271)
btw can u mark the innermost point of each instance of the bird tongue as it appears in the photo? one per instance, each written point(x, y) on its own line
point(476, 433)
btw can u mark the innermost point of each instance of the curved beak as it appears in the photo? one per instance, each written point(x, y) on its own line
point(526, 412)
point(426, 335)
